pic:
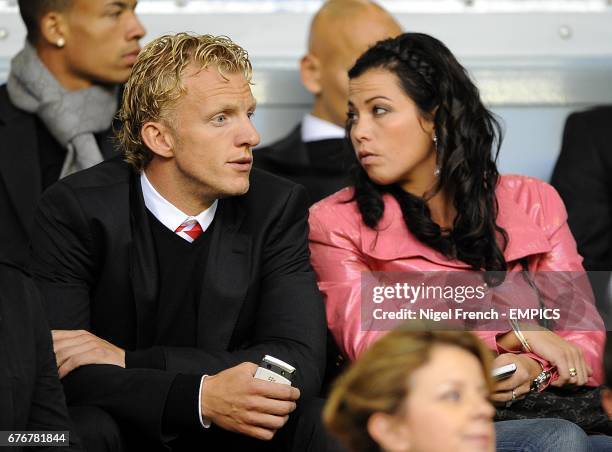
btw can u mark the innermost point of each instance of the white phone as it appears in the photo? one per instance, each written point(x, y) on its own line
point(503, 372)
point(274, 370)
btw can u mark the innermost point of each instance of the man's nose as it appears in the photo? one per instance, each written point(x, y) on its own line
point(251, 135)
point(135, 29)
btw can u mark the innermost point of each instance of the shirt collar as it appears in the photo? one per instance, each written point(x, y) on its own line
point(168, 214)
point(316, 129)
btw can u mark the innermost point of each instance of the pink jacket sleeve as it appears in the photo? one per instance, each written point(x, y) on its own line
point(338, 264)
point(564, 257)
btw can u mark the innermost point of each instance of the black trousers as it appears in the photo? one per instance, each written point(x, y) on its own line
point(304, 432)
point(97, 429)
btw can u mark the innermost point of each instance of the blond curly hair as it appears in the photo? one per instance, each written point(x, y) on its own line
point(155, 84)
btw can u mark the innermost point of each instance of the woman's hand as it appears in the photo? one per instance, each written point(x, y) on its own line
point(560, 353)
point(527, 369)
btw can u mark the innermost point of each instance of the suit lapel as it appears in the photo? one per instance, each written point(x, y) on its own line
point(226, 277)
point(143, 266)
point(19, 163)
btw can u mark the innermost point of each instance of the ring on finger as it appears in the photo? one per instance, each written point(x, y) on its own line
point(509, 402)
point(573, 372)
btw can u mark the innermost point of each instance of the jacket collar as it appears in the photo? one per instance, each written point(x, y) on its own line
point(526, 238)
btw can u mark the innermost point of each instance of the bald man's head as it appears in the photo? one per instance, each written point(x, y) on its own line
point(336, 26)
point(339, 33)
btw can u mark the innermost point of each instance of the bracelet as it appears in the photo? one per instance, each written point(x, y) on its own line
point(540, 382)
point(517, 332)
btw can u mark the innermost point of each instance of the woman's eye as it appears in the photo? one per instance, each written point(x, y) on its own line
point(379, 111)
point(251, 114)
point(351, 116)
point(451, 395)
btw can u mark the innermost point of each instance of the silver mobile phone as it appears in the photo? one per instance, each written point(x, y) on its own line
point(274, 370)
point(503, 372)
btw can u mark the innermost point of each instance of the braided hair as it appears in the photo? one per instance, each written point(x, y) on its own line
point(468, 141)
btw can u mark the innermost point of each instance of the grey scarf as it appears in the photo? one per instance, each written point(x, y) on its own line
point(72, 117)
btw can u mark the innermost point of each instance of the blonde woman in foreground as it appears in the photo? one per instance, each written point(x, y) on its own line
point(428, 391)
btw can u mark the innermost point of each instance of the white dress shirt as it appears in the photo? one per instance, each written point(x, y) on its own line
point(172, 217)
point(316, 129)
point(168, 214)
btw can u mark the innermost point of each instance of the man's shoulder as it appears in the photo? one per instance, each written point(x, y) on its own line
point(269, 188)
point(103, 187)
point(599, 117)
point(110, 172)
point(8, 112)
point(4, 99)
point(285, 143)
point(280, 152)
point(5, 102)
point(269, 196)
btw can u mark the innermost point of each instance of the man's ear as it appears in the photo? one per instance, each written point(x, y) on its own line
point(310, 72)
point(606, 401)
point(389, 432)
point(158, 138)
point(54, 29)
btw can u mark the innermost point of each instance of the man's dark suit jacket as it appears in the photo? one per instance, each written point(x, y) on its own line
point(20, 176)
point(583, 177)
point(320, 166)
point(31, 395)
point(94, 260)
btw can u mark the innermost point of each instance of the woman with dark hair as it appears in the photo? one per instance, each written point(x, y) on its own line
point(427, 197)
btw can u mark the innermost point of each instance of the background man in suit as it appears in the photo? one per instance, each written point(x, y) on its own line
point(582, 176)
point(31, 394)
point(58, 104)
point(178, 262)
point(313, 153)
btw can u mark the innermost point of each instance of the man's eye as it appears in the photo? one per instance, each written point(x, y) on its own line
point(251, 114)
point(219, 119)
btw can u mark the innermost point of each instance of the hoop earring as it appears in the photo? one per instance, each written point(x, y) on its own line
point(61, 42)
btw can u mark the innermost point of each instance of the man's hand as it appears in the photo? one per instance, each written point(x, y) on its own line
point(526, 370)
point(235, 401)
point(76, 348)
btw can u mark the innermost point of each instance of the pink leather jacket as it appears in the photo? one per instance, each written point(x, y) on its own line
point(343, 247)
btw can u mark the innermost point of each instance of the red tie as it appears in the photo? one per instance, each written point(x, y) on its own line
point(189, 230)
